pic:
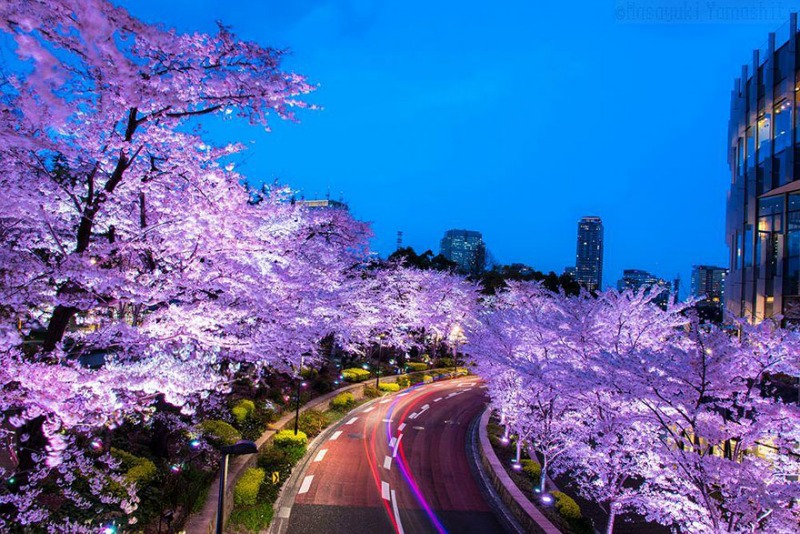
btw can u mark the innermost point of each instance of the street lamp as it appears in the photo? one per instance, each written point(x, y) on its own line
point(297, 405)
point(456, 336)
point(237, 449)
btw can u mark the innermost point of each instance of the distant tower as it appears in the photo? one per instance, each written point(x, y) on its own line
point(399, 239)
point(676, 287)
point(589, 255)
point(466, 248)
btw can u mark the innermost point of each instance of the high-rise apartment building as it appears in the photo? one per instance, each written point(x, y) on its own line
point(466, 248)
point(708, 283)
point(589, 256)
point(763, 214)
point(636, 279)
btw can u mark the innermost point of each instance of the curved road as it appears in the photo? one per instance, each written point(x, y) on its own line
point(398, 464)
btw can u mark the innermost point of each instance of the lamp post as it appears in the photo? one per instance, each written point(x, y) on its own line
point(456, 333)
point(297, 405)
point(237, 449)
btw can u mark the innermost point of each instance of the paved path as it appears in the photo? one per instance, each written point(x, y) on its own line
point(398, 464)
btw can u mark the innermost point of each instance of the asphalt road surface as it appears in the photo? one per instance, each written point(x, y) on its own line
point(398, 464)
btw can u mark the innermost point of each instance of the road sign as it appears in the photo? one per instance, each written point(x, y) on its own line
point(276, 477)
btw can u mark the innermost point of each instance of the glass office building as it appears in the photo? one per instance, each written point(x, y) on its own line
point(763, 212)
point(466, 248)
point(589, 255)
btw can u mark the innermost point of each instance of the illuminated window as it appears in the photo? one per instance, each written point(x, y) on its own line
point(783, 125)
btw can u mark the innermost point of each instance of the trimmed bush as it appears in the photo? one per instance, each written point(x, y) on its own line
point(445, 362)
point(427, 379)
point(242, 410)
point(417, 366)
point(533, 469)
point(389, 387)
point(343, 401)
point(312, 422)
point(287, 439)
point(371, 391)
point(566, 506)
point(139, 471)
point(220, 433)
point(403, 381)
point(246, 491)
point(355, 374)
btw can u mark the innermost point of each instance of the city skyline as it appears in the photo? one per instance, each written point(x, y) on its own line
point(414, 137)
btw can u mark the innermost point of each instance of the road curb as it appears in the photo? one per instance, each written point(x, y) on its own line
point(525, 513)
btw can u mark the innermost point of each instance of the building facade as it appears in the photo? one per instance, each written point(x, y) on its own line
point(763, 211)
point(708, 283)
point(466, 248)
point(636, 279)
point(589, 256)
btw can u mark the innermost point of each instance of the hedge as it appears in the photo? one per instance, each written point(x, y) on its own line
point(287, 438)
point(343, 401)
point(388, 386)
point(566, 506)
point(532, 468)
point(445, 362)
point(371, 391)
point(140, 470)
point(402, 381)
point(355, 374)
point(242, 410)
point(246, 491)
point(417, 366)
point(311, 422)
point(219, 432)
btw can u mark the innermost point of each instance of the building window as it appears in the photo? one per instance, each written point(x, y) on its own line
point(791, 279)
point(740, 157)
point(748, 245)
point(750, 135)
point(783, 125)
point(764, 136)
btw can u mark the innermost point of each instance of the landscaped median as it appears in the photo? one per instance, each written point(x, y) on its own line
point(516, 487)
point(280, 450)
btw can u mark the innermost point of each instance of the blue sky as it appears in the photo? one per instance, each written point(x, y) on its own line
point(514, 118)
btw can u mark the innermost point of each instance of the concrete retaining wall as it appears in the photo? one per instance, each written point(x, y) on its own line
point(518, 504)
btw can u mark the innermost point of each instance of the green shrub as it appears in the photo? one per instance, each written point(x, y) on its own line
point(312, 422)
point(415, 379)
point(287, 438)
point(139, 471)
point(355, 374)
point(533, 469)
point(242, 410)
point(389, 387)
point(220, 433)
point(343, 401)
point(427, 379)
point(445, 362)
point(403, 381)
point(417, 366)
point(371, 391)
point(246, 491)
point(566, 506)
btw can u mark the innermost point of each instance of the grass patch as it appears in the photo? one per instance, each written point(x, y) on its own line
point(252, 518)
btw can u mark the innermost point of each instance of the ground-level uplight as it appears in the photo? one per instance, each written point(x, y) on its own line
point(547, 498)
point(237, 449)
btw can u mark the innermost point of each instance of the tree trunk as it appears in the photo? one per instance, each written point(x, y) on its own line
point(543, 475)
point(611, 517)
point(57, 326)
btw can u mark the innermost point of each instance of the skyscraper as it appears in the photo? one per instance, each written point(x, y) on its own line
point(708, 283)
point(589, 257)
point(636, 279)
point(763, 215)
point(466, 248)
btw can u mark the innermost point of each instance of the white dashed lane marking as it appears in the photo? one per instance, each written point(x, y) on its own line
point(306, 485)
point(401, 427)
point(387, 462)
point(385, 490)
point(336, 435)
point(320, 455)
point(351, 421)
